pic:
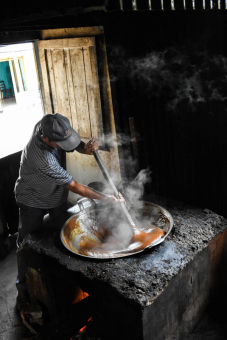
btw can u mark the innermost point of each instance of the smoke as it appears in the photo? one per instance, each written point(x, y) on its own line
point(120, 140)
point(135, 190)
point(191, 78)
point(112, 224)
point(180, 76)
point(130, 162)
point(109, 224)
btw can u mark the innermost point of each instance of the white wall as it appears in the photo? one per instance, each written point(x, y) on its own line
point(21, 117)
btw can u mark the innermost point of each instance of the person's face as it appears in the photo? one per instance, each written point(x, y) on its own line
point(53, 144)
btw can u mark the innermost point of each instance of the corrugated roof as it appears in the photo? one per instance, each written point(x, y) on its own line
point(45, 10)
point(136, 5)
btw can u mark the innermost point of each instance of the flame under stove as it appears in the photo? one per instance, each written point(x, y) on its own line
point(155, 294)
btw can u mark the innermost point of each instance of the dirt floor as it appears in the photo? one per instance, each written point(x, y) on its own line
point(212, 326)
point(11, 325)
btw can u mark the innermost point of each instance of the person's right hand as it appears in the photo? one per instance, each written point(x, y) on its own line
point(91, 146)
point(118, 200)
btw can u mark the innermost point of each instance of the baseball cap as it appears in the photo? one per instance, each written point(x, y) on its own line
point(57, 129)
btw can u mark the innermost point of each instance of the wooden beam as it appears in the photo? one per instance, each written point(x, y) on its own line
point(66, 43)
point(62, 33)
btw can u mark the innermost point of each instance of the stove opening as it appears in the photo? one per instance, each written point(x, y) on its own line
point(66, 294)
point(80, 295)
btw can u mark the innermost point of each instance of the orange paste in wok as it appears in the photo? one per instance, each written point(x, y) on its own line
point(109, 244)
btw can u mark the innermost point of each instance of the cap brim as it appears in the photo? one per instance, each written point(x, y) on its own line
point(70, 143)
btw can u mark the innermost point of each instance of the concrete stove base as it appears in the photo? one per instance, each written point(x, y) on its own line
point(159, 294)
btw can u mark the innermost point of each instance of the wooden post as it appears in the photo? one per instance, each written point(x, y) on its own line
point(133, 137)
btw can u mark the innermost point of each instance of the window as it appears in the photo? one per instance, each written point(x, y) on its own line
point(15, 75)
point(22, 72)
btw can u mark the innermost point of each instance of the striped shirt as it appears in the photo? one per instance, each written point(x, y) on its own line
point(42, 176)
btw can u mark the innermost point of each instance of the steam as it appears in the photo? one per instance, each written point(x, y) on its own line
point(134, 192)
point(181, 77)
point(112, 225)
point(121, 139)
point(130, 163)
point(109, 225)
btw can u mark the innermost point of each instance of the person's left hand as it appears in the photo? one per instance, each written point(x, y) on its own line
point(91, 146)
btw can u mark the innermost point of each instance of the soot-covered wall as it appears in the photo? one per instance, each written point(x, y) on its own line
point(168, 70)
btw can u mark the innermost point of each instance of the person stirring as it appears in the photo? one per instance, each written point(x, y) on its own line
point(44, 183)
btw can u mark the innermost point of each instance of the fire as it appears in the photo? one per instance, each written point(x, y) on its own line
point(83, 328)
point(80, 295)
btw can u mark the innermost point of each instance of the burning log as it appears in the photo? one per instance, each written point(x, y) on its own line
point(68, 322)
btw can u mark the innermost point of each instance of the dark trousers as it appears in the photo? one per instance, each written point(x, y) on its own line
point(29, 220)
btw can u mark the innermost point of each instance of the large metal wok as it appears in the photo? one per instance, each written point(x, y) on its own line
point(98, 223)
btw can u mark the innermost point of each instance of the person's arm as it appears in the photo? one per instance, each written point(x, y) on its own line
point(89, 193)
point(88, 148)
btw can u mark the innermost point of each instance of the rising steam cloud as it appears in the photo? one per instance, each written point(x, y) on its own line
point(189, 77)
point(135, 190)
point(118, 232)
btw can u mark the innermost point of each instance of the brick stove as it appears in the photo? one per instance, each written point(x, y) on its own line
point(155, 295)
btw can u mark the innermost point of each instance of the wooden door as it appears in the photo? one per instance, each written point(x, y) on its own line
point(71, 86)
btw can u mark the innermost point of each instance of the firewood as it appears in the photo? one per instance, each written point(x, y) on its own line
point(68, 322)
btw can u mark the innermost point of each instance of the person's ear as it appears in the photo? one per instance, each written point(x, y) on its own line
point(45, 139)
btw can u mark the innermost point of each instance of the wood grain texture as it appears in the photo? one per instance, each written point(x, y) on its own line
point(50, 69)
point(71, 83)
point(72, 100)
point(93, 92)
point(80, 92)
point(46, 85)
point(61, 33)
point(61, 83)
point(67, 43)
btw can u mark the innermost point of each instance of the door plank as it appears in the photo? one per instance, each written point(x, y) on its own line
point(72, 101)
point(61, 83)
point(47, 102)
point(93, 92)
point(80, 91)
point(50, 68)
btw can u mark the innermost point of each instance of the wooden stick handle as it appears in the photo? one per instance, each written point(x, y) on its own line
point(111, 183)
point(105, 172)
